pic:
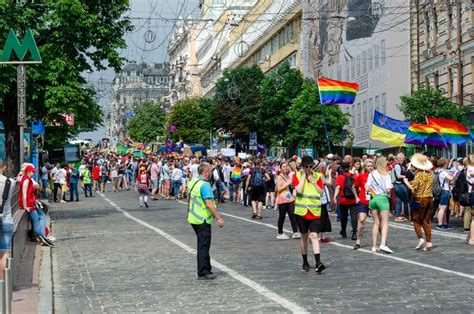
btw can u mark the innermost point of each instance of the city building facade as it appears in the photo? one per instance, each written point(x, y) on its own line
point(134, 85)
point(364, 41)
point(442, 47)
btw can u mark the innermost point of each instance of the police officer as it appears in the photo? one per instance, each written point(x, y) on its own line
point(309, 186)
point(201, 212)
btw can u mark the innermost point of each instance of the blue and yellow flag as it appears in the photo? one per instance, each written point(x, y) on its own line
point(388, 130)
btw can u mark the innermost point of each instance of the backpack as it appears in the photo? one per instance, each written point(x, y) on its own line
point(348, 184)
point(257, 178)
point(437, 186)
point(6, 192)
point(460, 185)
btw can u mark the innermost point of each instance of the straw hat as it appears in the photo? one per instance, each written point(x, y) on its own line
point(421, 162)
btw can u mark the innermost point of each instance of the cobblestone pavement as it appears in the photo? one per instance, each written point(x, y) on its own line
point(116, 257)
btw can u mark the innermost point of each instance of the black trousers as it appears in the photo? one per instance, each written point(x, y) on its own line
point(283, 209)
point(203, 234)
point(57, 187)
point(345, 210)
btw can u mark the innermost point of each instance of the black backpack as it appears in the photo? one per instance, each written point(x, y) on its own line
point(257, 179)
point(348, 184)
point(6, 192)
point(460, 185)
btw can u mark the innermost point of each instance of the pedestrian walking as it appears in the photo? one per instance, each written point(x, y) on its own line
point(87, 180)
point(143, 186)
point(401, 190)
point(422, 186)
point(286, 202)
point(443, 179)
point(256, 187)
point(201, 213)
point(362, 200)
point(347, 199)
point(73, 183)
point(308, 210)
point(379, 185)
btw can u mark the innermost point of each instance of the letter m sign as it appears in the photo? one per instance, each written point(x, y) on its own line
point(12, 44)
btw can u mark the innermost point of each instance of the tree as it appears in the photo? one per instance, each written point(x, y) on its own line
point(192, 118)
point(148, 123)
point(427, 102)
point(277, 92)
point(73, 37)
point(306, 129)
point(237, 102)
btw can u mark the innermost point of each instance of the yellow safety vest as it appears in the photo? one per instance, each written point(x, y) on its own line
point(198, 213)
point(309, 198)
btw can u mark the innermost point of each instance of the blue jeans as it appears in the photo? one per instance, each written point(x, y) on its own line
point(401, 193)
point(231, 191)
point(176, 185)
point(73, 191)
point(38, 220)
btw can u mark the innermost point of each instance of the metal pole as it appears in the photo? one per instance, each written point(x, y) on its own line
point(2, 296)
point(325, 129)
point(10, 266)
point(7, 275)
point(21, 102)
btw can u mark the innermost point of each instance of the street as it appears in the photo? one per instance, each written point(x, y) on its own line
point(112, 256)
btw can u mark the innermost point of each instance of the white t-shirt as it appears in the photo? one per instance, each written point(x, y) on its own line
point(81, 169)
point(443, 180)
point(194, 170)
point(379, 183)
point(177, 174)
point(54, 173)
point(62, 173)
point(227, 169)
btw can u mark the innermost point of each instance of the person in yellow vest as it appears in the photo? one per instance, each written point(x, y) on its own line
point(309, 186)
point(201, 212)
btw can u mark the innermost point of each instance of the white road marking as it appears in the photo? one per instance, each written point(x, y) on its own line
point(293, 307)
point(460, 274)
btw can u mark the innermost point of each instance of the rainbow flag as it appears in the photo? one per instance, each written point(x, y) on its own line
point(337, 92)
point(453, 131)
point(422, 134)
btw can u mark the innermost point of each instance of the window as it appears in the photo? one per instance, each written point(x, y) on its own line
point(347, 68)
point(377, 104)
point(384, 104)
point(427, 29)
point(353, 115)
point(450, 83)
point(369, 59)
point(436, 80)
point(364, 62)
point(376, 56)
point(358, 114)
point(358, 66)
point(435, 26)
point(353, 74)
point(364, 108)
point(382, 51)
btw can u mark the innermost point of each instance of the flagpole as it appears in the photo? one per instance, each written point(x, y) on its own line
point(325, 128)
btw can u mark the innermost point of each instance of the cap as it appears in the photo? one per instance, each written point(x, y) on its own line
point(330, 156)
point(30, 168)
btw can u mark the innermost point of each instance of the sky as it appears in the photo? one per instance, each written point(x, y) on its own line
point(147, 43)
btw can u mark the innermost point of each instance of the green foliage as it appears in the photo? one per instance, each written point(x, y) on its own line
point(237, 102)
point(430, 103)
point(277, 92)
point(306, 128)
point(192, 118)
point(148, 123)
point(73, 37)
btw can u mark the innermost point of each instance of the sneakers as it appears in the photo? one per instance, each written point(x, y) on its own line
point(400, 219)
point(305, 267)
point(356, 247)
point(44, 241)
point(385, 249)
point(207, 277)
point(343, 234)
point(51, 238)
point(354, 236)
point(441, 227)
point(325, 240)
point(146, 204)
point(375, 249)
point(296, 235)
point(448, 227)
point(319, 268)
point(282, 236)
point(254, 216)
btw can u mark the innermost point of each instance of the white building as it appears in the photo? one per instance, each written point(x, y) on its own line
point(366, 41)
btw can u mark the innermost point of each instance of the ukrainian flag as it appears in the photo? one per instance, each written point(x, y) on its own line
point(388, 130)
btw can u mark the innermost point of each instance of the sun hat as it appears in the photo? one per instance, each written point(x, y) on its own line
point(421, 162)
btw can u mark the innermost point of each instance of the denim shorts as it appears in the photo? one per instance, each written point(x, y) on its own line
point(154, 183)
point(444, 198)
point(6, 234)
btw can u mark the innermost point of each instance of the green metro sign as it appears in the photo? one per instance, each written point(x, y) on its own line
point(12, 44)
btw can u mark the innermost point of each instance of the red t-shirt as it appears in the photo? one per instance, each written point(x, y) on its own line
point(359, 182)
point(340, 182)
point(96, 173)
point(309, 215)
